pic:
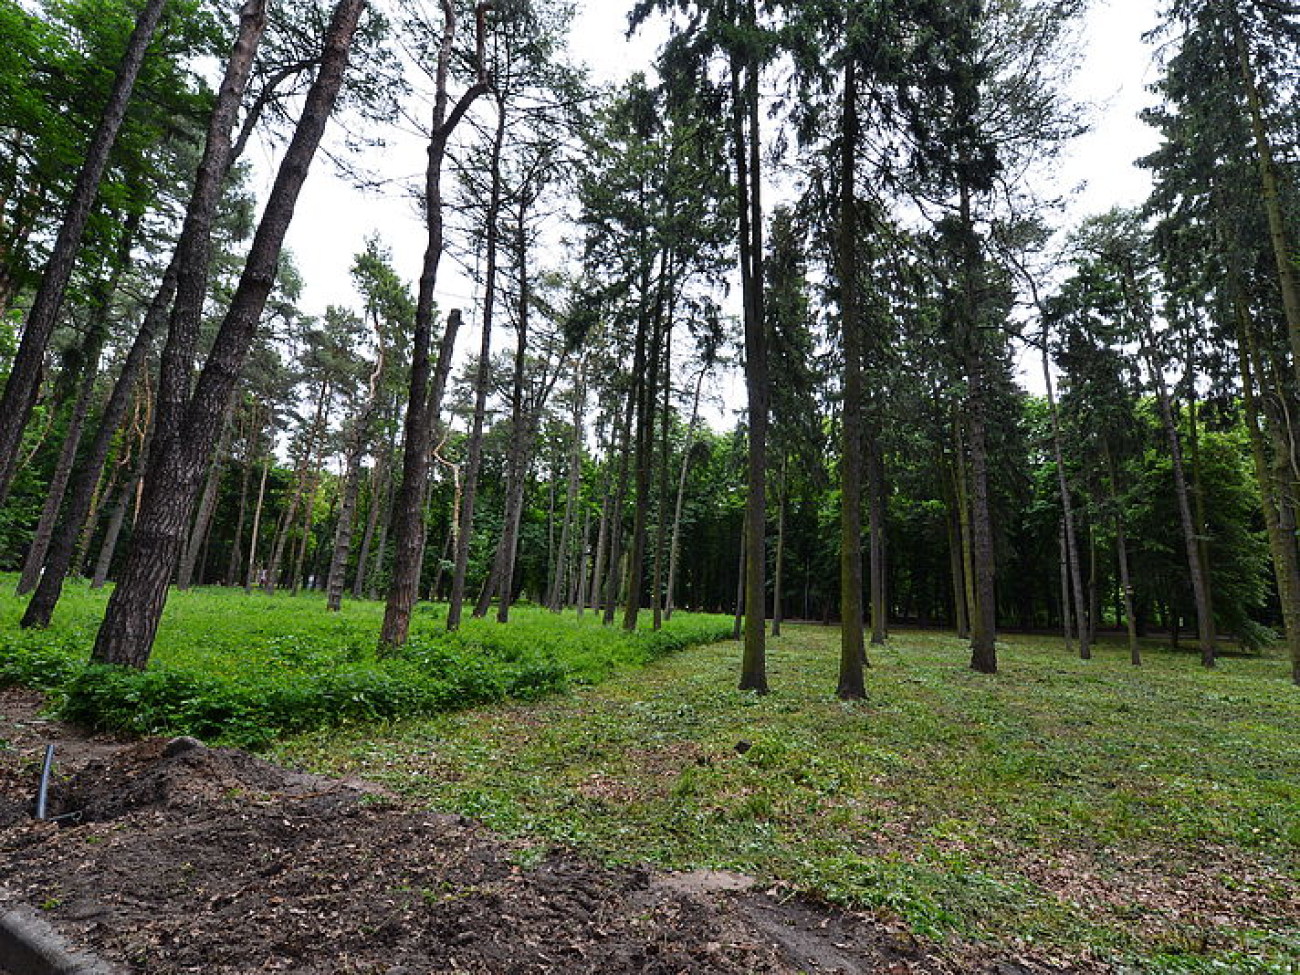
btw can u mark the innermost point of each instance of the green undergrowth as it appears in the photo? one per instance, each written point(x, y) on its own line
point(1147, 816)
point(245, 669)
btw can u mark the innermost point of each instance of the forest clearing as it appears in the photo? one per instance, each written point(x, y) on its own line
point(1067, 816)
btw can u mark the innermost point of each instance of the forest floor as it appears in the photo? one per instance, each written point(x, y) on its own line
point(1062, 816)
point(183, 858)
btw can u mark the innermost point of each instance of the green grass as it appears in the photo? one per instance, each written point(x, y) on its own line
point(1087, 808)
point(245, 669)
point(1076, 809)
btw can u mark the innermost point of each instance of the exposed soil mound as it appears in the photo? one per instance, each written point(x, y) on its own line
point(179, 775)
point(190, 859)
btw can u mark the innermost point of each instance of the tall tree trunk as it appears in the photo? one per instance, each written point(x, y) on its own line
point(207, 507)
point(645, 373)
point(236, 557)
point(297, 578)
point(62, 554)
point(524, 419)
point(251, 576)
point(614, 555)
point(1071, 553)
point(301, 475)
point(1198, 494)
point(1276, 485)
point(598, 560)
point(1195, 566)
point(423, 407)
point(563, 555)
point(984, 612)
point(1065, 589)
point(670, 593)
point(111, 534)
point(36, 553)
point(1121, 551)
point(579, 584)
point(25, 373)
point(954, 499)
point(853, 652)
point(92, 348)
point(482, 374)
point(175, 465)
point(879, 560)
point(778, 565)
point(657, 597)
point(381, 543)
point(748, 143)
point(352, 481)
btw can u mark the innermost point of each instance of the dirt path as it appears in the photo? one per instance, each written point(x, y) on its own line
point(182, 858)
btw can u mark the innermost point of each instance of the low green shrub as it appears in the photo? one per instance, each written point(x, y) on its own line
point(275, 667)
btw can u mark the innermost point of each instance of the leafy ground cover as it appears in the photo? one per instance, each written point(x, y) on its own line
point(1147, 817)
point(244, 669)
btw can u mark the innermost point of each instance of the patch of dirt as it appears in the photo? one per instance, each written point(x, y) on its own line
point(191, 859)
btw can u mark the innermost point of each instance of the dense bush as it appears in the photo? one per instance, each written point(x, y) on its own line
point(279, 666)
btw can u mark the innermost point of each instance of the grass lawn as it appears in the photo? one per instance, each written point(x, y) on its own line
point(1086, 808)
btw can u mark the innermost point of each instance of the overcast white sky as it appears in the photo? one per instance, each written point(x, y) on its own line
point(333, 219)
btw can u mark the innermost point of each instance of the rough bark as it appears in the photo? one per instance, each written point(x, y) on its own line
point(131, 619)
point(747, 145)
point(853, 652)
point(422, 410)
